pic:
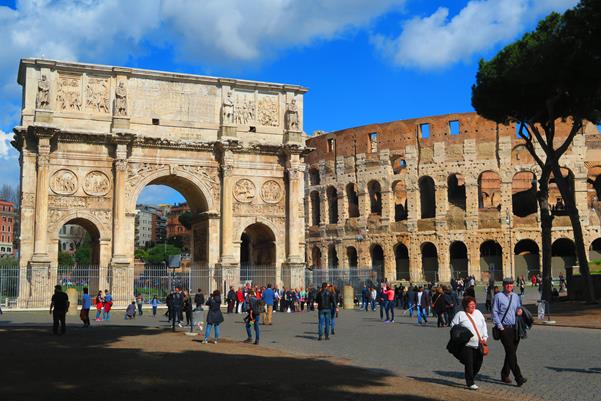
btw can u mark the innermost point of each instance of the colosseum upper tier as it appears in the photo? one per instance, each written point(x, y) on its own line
point(436, 197)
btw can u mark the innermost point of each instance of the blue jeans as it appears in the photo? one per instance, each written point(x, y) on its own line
point(325, 317)
point(333, 321)
point(175, 311)
point(106, 315)
point(257, 331)
point(154, 311)
point(208, 331)
point(373, 305)
point(422, 313)
point(365, 304)
point(410, 307)
point(390, 308)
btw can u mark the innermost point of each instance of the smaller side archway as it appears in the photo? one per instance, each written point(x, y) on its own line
point(314, 178)
point(315, 208)
point(456, 191)
point(352, 199)
point(526, 258)
point(459, 259)
point(351, 257)
point(427, 197)
point(595, 250)
point(257, 254)
point(375, 197)
point(563, 255)
point(315, 257)
point(400, 201)
point(556, 201)
point(401, 256)
point(491, 259)
point(429, 262)
point(489, 190)
point(377, 261)
point(332, 195)
point(332, 257)
point(523, 198)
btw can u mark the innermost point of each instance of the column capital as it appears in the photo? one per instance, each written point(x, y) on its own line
point(121, 164)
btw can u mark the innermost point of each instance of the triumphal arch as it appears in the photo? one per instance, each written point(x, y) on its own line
point(92, 137)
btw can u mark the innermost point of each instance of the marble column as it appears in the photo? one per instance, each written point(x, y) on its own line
point(227, 249)
point(119, 229)
point(294, 222)
point(40, 245)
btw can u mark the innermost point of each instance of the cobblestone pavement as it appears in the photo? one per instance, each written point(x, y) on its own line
point(560, 363)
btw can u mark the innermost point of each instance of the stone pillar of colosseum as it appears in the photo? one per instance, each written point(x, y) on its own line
point(473, 249)
point(342, 205)
point(323, 206)
point(444, 261)
point(471, 202)
point(387, 205)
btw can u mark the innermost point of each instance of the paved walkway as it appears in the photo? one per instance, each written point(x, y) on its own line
point(560, 363)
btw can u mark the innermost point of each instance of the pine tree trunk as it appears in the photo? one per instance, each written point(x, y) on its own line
point(546, 223)
point(568, 198)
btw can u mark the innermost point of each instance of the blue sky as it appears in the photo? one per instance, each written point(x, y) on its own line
point(364, 61)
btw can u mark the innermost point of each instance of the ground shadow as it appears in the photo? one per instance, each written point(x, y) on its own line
point(575, 370)
point(140, 362)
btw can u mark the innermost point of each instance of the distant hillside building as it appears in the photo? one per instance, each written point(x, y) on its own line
point(174, 227)
point(7, 228)
point(150, 225)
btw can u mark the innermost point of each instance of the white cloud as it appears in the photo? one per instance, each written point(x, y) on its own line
point(5, 146)
point(437, 41)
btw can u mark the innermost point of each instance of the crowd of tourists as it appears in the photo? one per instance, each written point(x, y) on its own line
point(453, 305)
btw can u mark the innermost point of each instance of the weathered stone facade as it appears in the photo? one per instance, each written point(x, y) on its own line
point(92, 137)
point(439, 196)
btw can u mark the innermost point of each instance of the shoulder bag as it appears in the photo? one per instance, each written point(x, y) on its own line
point(482, 346)
point(496, 333)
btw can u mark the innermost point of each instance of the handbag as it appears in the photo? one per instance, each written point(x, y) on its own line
point(483, 347)
point(496, 333)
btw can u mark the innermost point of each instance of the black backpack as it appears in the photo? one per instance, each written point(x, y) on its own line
point(257, 306)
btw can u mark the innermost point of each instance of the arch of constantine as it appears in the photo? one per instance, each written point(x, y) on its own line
point(443, 196)
point(92, 137)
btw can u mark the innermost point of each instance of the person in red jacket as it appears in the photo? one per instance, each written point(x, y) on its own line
point(239, 300)
point(388, 294)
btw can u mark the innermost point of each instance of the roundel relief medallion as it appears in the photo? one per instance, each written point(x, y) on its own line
point(96, 184)
point(244, 190)
point(64, 182)
point(271, 191)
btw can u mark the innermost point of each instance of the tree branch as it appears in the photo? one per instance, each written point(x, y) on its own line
point(576, 126)
point(529, 145)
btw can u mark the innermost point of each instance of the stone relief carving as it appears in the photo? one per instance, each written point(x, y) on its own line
point(97, 95)
point(138, 171)
point(245, 109)
point(120, 108)
point(42, 100)
point(228, 108)
point(68, 96)
point(244, 190)
point(293, 124)
point(264, 209)
point(66, 202)
point(27, 200)
point(271, 191)
point(55, 215)
point(64, 182)
point(103, 216)
point(96, 183)
point(268, 112)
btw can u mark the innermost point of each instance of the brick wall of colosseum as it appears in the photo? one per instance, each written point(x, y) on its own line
point(439, 196)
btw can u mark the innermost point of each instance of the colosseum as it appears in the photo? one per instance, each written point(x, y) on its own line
point(440, 197)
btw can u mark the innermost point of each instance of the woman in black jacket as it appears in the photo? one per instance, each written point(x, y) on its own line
point(214, 316)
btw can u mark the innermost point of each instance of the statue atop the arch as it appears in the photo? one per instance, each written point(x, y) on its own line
point(293, 116)
point(121, 100)
point(43, 96)
point(228, 108)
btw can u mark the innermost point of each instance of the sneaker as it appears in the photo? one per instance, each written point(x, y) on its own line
point(256, 342)
point(215, 341)
point(506, 380)
point(392, 321)
point(179, 325)
point(333, 333)
point(327, 338)
point(386, 321)
point(248, 340)
point(205, 341)
point(473, 387)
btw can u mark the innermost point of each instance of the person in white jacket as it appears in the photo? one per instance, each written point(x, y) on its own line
point(472, 319)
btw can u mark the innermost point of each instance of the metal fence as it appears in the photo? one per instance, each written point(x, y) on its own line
point(339, 277)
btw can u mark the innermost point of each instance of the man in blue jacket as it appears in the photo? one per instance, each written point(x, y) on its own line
point(268, 297)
